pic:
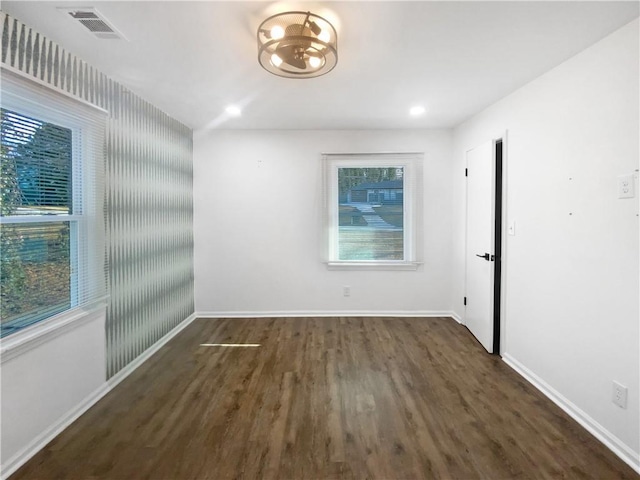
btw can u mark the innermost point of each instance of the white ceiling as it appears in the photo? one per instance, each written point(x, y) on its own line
point(192, 59)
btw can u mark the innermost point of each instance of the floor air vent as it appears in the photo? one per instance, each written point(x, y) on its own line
point(93, 21)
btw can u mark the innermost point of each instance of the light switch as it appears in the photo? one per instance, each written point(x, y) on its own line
point(626, 185)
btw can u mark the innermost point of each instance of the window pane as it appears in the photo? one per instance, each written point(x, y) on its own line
point(36, 166)
point(371, 213)
point(35, 273)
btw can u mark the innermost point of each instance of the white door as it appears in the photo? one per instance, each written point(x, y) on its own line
point(480, 243)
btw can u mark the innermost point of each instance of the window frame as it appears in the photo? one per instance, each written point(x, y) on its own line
point(30, 97)
point(75, 218)
point(411, 163)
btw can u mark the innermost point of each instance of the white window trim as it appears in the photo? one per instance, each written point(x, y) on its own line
point(412, 211)
point(74, 219)
point(35, 335)
point(373, 265)
point(16, 99)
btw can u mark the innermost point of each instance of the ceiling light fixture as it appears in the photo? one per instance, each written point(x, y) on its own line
point(417, 110)
point(297, 45)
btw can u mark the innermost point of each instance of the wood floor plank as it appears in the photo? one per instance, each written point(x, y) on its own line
point(324, 398)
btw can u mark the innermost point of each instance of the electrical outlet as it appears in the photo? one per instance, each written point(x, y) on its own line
point(619, 395)
point(625, 186)
point(346, 291)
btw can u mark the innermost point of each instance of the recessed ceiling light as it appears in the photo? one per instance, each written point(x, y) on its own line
point(234, 110)
point(417, 110)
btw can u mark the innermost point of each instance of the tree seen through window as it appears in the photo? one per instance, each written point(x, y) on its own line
point(36, 176)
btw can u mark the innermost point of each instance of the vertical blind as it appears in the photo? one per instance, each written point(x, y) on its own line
point(52, 204)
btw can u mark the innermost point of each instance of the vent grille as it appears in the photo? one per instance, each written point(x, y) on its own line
point(96, 26)
point(83, 14)
point(93, 21)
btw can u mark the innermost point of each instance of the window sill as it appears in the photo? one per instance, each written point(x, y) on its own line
point(39, 333)
point(373, 265)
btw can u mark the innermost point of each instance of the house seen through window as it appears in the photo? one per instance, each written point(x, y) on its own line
point(373, 208)
point(371, 215)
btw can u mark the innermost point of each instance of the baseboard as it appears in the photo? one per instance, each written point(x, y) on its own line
point(325, 313)
point(457, 318)
point(140, 359)
point(20, 458)
point(612, 442)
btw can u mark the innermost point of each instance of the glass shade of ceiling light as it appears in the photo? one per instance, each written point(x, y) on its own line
point(417, 111)
point(324, 36)
point(277, 32)
point(276, 60)
point(297, 45)
point(315, 62)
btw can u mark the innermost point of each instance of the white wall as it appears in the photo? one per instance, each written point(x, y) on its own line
point(258, 230)
point(572, 320)
point(47, 380)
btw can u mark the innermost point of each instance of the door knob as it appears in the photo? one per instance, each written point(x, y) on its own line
point(486, 256)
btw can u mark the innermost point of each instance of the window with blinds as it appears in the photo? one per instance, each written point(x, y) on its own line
point(373, 210)
point(51, 215)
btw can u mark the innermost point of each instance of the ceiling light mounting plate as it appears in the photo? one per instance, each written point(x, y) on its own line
point(297, 45)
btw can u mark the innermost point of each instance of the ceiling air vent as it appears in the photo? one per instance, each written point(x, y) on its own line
point(93, 21)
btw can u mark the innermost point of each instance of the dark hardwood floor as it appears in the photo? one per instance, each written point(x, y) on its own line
point(325, 398)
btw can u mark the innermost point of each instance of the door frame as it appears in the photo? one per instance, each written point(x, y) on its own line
point(500, 284)
point(498, 227)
